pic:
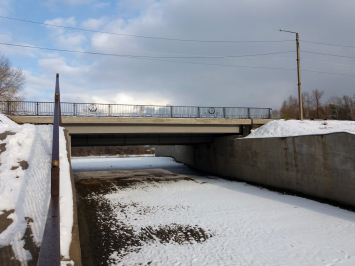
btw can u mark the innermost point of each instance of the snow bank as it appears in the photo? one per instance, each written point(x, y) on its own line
point(27, 191)
point(7, 124)
point(290, 128)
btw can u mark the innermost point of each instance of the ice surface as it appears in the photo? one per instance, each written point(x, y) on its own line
point(82, 164)
point(282, 128)
point(250, 225)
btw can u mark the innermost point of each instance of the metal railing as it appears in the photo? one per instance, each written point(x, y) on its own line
point(50, 248)
point(24, 108)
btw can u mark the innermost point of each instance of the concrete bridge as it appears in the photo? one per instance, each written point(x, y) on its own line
point(119, 131)
point(92, 124)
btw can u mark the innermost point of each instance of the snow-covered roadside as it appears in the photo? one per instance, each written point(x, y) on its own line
point(290, 128)
point(25, 186)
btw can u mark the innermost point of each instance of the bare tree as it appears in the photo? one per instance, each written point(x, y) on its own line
point(289, 108)
point(307, 105)
point(349, 107)
point(275, 114)
point(11, 81)
point(316, 96)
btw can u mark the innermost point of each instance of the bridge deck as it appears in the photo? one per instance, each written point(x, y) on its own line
point(106, 131)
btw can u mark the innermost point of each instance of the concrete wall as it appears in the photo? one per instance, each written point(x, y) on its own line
point(321, 165)
point(74, 250)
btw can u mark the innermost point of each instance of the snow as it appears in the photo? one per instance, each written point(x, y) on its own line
point(7, 124)
point(115, 163)
point(66, 199)
point(249, 225)
point(27, 191)
point(290, 128)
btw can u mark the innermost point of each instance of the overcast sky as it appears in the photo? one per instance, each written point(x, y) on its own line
point(112, 79)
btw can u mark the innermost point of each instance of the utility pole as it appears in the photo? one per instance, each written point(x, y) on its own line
point(300, 109)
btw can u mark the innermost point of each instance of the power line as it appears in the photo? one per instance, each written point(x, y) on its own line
point(322, 72)
point(329, 44)
point(309, 52)
point(139, 57)
point(142, 56)
point(323, 62)
point(161, 59)
point(142, 36)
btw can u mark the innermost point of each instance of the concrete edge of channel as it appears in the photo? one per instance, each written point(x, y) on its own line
point(74, 250)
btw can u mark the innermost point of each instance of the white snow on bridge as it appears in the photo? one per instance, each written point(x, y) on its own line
point(290, 128)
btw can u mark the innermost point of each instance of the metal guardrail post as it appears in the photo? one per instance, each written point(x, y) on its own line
point(37, 108)
point(171, 111)
point(8, 108)
point(109, 110)
point(224, 112)
point(198, 112)
point(270, 113)
point(249, 113)
point(50, 249)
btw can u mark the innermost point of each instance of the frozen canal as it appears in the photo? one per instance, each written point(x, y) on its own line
point(154, 211)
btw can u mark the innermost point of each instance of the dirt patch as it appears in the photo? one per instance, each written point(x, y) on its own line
point(5, 134)
point(4, 221)
point(30, 245)
point(22, 164)
point(7, 257)
point(102, 234)
point(2, 147)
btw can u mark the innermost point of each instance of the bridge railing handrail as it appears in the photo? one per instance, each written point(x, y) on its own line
point(23, 108)
point(50, 248)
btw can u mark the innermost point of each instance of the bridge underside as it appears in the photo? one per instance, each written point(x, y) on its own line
point(82, 140)
point(116, 131)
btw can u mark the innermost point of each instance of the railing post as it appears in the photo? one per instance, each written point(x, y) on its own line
point(198, 112)
point(171, 111)
point(224, 112)
point(109, 110)
point(74, 111)
point(8, 107)
point(249, 113)
point(270, 113)
point(37, 108)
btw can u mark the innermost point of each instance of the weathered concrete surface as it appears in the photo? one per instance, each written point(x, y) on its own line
point(74, 250)
point(136, 120)
point(129, 125)
point(322, 166)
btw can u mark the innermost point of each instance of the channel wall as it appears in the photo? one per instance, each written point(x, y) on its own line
point(321, 166)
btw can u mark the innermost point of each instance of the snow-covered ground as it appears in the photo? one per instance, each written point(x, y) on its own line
point(25, 185)
point(113, 163)
point(206, 220)
point(289, 128)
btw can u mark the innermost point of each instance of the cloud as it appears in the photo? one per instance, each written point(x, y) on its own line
point(5, 7)
point(61, 22)
point(65, 38)
point(132, 80)
point(13, 50)
point(94, 24)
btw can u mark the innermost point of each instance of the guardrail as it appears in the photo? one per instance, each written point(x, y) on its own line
point(25, 108)
point(50, 248)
